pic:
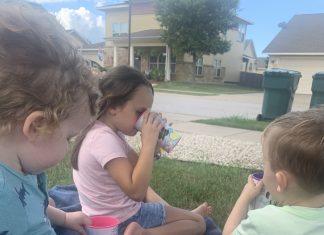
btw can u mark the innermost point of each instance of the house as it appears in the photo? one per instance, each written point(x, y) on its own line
point(261, 64)
point(299, 46)
point(249, 57)
point(93, 53)
point(148, 52)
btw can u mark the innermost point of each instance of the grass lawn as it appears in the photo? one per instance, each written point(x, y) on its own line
point(202, 89)
point(236, 122)
point(184, 184)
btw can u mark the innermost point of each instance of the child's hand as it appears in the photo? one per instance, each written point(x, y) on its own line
point(251, 190)
point(77, 221)
point(152, 125)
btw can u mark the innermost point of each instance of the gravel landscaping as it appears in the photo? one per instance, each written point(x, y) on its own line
point(216, 150)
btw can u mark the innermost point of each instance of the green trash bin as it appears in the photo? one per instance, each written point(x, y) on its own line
point(317, 90)
point(279, 91)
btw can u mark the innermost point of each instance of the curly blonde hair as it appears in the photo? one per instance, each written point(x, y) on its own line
point(39, 68)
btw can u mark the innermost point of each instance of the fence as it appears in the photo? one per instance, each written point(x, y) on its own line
point(251, 80)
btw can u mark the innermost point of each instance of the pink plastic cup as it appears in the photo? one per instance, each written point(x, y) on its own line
point(103, 225)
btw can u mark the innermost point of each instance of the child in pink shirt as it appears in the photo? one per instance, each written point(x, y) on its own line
point(112, 179)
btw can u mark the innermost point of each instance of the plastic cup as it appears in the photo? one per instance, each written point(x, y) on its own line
point(257, 176)
point(168, 137)
point(263, 199)
point(103, 225)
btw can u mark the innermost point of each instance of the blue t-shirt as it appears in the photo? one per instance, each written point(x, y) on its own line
point(23, 203)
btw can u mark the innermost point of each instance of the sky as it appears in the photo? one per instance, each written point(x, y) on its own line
point(265, 15)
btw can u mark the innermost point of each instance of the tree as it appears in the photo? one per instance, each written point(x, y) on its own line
point(197, 27)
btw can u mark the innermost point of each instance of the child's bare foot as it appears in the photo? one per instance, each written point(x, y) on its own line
point(203, 210)
point(134, 229)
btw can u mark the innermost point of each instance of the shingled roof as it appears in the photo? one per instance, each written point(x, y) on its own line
point(302, 34)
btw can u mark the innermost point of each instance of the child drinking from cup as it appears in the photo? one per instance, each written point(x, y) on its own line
point(112, 179)
point(293, 157)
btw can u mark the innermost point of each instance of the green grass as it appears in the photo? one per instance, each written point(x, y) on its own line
point(202, 89)
point(183, 184)
point(236, 122)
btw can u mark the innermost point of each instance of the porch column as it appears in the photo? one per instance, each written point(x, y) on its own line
point(131, 58)
point(168, 64)
point(115, 56)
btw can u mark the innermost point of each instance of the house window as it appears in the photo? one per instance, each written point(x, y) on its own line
point(173, 64)
point(242, 31)
point(218, 67)
point(119, 29)
point(199, 66)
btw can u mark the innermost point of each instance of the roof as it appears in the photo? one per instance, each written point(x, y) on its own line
point(95, 46)
point(249, 42)
point(302, 34)
point(145, 34)
point(75, 36)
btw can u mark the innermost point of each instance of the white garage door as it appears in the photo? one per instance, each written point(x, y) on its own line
point(306, 65)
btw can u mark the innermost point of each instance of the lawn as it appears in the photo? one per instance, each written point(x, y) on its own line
point(184, 184)
point(202, 89)
point(236, 122)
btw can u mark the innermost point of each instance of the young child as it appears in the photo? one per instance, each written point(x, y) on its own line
point(44, 99)
point(293, 156)
point(111, 178)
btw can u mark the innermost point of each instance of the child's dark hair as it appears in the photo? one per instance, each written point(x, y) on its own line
point(299, 148)
point(117, 87)
point(39, 68)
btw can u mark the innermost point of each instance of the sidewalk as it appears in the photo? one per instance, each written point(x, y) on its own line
point(218, 131)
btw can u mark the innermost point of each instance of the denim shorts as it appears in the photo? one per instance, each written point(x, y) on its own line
point(150, 215)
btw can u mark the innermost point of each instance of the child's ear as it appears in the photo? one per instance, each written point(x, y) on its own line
point(113, 111)
point(282, 181)
point(32, 125)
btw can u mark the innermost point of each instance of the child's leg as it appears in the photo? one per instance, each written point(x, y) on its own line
point(178, 222)
point(203, 210)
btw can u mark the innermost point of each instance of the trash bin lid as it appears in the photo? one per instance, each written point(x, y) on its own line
point(319, 75)
point(282, 72)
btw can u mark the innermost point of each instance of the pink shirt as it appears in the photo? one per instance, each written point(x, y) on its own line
point(99, 194)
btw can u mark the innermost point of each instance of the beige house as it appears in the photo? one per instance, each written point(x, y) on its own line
point(299, 46)
point(92, 53)
point(149, 53)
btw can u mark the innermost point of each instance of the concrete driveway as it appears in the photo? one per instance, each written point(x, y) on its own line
point(184, 108)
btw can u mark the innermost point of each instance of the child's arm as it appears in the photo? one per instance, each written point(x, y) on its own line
point(151, 195)
point(134, 181)
point(73, 220)
point(241, 207)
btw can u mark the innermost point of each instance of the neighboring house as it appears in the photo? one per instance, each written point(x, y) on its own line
point(148, 52)
point(92, 53)
point(249, 57)
point(76, 40)
point(299, 46)
point(261, 64)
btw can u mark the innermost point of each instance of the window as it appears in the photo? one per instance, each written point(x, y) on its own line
point(119, 29)
point(199, 66)
point(173, 64)
point(218, 67)
point(242, 31)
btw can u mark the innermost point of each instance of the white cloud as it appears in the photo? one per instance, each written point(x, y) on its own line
point(87, 24)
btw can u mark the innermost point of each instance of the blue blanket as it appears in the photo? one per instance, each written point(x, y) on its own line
point(67, 199)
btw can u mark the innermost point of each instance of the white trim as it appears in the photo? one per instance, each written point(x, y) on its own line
point(115, 57)
point(131, 56)
point(143, 37)
point(83, 49)
point(109, 7)
point(306, 53)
